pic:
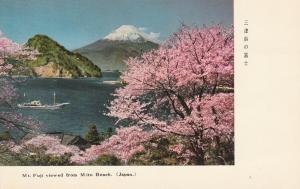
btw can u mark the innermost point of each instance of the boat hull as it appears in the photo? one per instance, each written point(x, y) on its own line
point(44, 107)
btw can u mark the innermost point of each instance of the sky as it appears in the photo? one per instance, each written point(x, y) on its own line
point(76, 23)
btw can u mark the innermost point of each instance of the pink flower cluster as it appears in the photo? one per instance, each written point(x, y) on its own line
point(182, 152)
point(50, 144)
point(15, 120)
point(8, 95)
point(10, 49)
point(126, 142)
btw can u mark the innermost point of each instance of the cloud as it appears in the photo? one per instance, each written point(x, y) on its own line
point(151, 35)
point(154, 36)
point(144, 29)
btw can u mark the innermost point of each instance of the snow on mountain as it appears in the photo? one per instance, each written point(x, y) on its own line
point(132, 33)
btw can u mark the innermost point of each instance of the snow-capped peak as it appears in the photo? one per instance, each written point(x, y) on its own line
point(132, 33)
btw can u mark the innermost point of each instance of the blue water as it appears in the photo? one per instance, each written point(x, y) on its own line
point(88, 98)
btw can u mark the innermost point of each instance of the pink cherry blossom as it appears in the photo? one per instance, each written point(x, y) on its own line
point(184, 88)
point(8, 94)
point(124, 144)
point(52, 146)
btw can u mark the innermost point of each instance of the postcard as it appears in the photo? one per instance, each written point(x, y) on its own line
point(148, 94)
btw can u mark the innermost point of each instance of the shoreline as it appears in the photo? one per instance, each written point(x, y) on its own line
point(112, 82)
point(14, 76)
point(103, 72)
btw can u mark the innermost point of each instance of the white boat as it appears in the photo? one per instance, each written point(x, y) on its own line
point(36, 104)
point(112, 82)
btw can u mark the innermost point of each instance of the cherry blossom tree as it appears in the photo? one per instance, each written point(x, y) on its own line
point(50, 144)
point(184, 88)
point(8, 94)
point(126, 142)
point(40, 150)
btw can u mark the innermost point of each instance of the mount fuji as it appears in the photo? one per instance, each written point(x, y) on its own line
point(126, 41)
point(132, 33)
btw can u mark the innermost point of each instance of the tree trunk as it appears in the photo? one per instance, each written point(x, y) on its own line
point(200, 159)
point(199, 153)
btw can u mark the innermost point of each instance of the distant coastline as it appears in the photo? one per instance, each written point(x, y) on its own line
point(103, 72)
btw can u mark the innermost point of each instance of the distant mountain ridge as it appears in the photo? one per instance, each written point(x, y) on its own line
point(110, 52)
point(56, 61)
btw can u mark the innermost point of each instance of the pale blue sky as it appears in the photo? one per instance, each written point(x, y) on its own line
point(75, 23)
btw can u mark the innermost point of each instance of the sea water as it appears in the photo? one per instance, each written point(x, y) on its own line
point(88, 98)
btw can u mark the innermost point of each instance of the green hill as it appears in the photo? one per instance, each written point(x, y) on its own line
point(56, 61)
